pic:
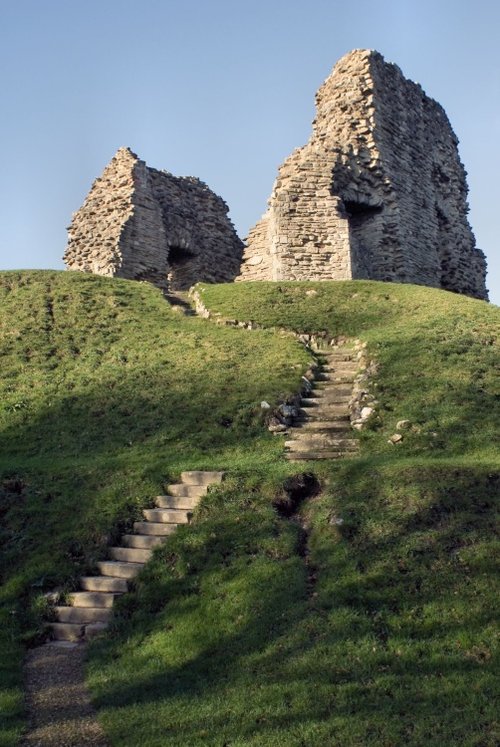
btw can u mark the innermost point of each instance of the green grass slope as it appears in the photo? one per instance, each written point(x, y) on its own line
point(106, 394)
point(385, 636)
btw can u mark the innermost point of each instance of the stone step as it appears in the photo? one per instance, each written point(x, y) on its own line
point(130, 554)
point(191, 491)
point(339, 426)
point(172, 501)
point(142, 541)
point(103, 583)
point(167, 516)
point(324, 402)
point(316, 403)
point(82, 615)
point(67, 631)
point(318, 398)
point(196, 477)
point(92, 599)
point(344, 368)
point(336, 378)
point(330, 377)
point(152, 528)
point(334, 387)
point(326, 399)
point(337, 357)
point(295, 456)
point(300, 444)
point(316, 413)
point(119, 569)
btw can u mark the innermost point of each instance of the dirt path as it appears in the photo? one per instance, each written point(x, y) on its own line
point(57, 699)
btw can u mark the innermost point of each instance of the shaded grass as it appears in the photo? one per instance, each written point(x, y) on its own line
point(225, 643)
point(106, 394)
point(437, 354)
point(386, 636)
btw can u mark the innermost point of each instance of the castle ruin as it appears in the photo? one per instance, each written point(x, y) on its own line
point(143, 224)
point(377, 193)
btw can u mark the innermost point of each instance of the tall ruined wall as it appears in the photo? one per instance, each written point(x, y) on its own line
point(378, 192)
point(143, 224)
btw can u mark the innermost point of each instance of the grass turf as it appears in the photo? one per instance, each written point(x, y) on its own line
point(106, 394)
point(386, 636)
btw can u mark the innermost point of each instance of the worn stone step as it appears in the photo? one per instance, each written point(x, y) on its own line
point(335, 360)
point(339, 426)
point(172, 501)
point(316, 413)
point(130, 554)
point(153, 528)
point(301, 444)
point(66, 631)
point(338, 355)
point(197, 477)
point(341, 366)
point(326, 401)
point(92, 599)
point(82, 615)
point(332, 386)
point(142, 541)
point(337, 378)
point(329, 398)
point(316, 403)
point(167, 515)
point(295, 456)
point(103, 583)
point(332, 377)
point(312, 406)
point(119, 568)
point(191, 491)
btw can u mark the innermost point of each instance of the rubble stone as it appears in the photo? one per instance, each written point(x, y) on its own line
point(377, 193)
point(143, 224)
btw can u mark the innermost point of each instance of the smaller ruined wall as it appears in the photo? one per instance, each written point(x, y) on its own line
point(201, 241)
point(143, 224)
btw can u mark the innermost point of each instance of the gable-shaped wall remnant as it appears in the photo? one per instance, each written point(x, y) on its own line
point(143, 224)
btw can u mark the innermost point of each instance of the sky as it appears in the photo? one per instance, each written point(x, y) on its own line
point(218, 89)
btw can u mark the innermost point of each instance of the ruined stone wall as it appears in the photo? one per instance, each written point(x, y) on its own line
point(378, 192)
point(143, 224)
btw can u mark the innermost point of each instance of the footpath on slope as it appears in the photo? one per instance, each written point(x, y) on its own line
point(322, 428)
point(57, 700)
point(335, 401)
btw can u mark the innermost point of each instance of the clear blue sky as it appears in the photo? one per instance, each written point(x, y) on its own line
point(219, 89)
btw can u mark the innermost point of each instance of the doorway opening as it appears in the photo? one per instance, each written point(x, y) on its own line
point(182, 272)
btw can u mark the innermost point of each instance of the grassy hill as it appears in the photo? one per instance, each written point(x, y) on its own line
point(385, 636)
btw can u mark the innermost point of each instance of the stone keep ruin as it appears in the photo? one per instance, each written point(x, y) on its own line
point(377, 193)
point(143, 224)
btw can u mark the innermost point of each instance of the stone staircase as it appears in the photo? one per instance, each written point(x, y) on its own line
point(323, 429)
point(88, 611)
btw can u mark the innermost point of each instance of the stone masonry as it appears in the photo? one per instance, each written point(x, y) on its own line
point(378, 192)
point(144, 224)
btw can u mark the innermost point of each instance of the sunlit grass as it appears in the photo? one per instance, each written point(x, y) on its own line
point(386, 636)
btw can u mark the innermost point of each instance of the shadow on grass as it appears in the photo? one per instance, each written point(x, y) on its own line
point(395, 646)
